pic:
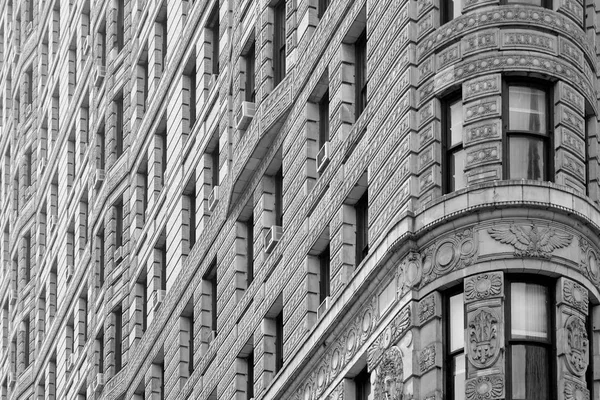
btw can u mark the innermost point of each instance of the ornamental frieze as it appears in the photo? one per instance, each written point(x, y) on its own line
point(577, 345)
point(531, 240)
point(484, 338)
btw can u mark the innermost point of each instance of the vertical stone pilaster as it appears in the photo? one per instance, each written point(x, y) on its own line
point(342, 93)
point(572, 341)
point(156, 58)
point(154, 382)
point(342, 231)
point(484, 335)
point(570, 137)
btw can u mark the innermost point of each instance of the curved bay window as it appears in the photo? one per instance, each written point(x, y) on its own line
point(454, 152)
point(528, 134)
point(529, 341)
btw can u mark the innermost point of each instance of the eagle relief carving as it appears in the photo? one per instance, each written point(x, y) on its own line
point(531, 241)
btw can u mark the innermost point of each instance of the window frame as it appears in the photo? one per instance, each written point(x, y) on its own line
point(445, 16)
point(548, 140)
point(447, 151)
point(449, 355)
point(250, 61)
point(279, 37)
point(549, 344)
point(362, 228)
point(544, 3)
point(360, 70)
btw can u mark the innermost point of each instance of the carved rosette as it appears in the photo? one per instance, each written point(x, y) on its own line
point(484, 338)
point(577, 345)
point(531, 240)
point(409, 273)
point(427, 358)
point(484, 286)
point(487, 387)
point(575, 391)
point(427, 308)
point(575, 295)
point(389, 383)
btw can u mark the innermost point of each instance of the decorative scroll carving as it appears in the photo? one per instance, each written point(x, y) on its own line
point(427, 358)
point(483, 338)
point(531, 241)
point(576, 296)
point(487, 387)
point(577, 346)
point(389, 383)
point(483, 286)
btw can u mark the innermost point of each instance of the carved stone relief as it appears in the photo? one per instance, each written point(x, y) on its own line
point(487, 387)
point(427, 308)
point(389, 383)
point(484, 286)
point(531, 240)
point(575, 295)
point(575, 390)
point(449, 253)
point(427, 358)
point(589, 260)
point(577, 345)
point(484, 338)
point(390, 336)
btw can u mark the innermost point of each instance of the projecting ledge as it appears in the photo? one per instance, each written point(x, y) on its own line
point(529, 196)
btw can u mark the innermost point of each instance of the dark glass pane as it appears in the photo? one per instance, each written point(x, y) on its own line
point(530, 372)
point(529, 311)
point(527, 108)
point(457, 323)
point(526, 158)
point(458, 373)
point(458, 179)
point(531, 2)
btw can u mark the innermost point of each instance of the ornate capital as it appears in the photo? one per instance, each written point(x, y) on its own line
point(484, 286)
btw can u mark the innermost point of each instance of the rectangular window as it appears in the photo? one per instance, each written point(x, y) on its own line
point(362, 385)
point(323, 4)
point(100, 241)
point(360, 48)
point(120, 24)
point(279, 341)
point(213, 25)
point(324, 275)
point(119, 124)
point(214, 159)
point(324, 119)
point(362, 227)
point(250, 58)
point(211, 279)
point(455, 357)
point(279, 42)
point(528, 137)
point(250, 250)
point(100, 136)
point(279, 197)
point(119, 223)
point(454, 153)
point(118, 316)
point(250, 376)
point(100, 348)
point(450, 9)
point(26, 340)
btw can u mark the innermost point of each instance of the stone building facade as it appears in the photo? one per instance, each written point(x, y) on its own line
point(299, 199)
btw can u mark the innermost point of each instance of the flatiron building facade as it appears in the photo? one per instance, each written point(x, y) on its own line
point(299, 199)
